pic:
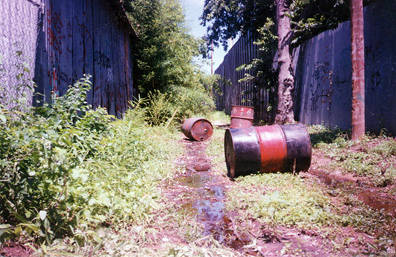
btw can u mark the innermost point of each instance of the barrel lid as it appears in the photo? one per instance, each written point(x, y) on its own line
point(201, 130)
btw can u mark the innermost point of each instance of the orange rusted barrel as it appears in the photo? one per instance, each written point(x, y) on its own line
point(197, 129)
point(273, 149)
point(241, 116)
point(267, 149)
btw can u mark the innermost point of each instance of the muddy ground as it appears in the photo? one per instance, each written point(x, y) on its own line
point(200, 190)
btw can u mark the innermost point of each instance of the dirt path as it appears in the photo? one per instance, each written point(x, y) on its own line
point(200, 191)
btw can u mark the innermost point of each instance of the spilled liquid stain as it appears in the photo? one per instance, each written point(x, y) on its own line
point(378, 202)
point(194, 180)
point(370, 196)
point(209, 207)
point(200, 194)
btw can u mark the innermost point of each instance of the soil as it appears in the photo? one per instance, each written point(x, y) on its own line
point(203, 190)
point(199, 191)
point(13, 249)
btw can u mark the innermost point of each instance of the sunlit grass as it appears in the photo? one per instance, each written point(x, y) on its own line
point(281, 199)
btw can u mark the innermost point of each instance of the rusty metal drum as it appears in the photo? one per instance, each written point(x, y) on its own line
point(241, 116)
point(272, 148)
point(197, 129)
point(299, 150)
point(242, 151)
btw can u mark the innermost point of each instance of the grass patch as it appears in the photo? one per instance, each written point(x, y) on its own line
point(373, 156)
point(281, 199)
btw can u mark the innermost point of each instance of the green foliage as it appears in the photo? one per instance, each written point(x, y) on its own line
point(159, 108)
point(165, 50)
point(227, 19)
point(67, 169)
point(282, 199)
point(192, 102)
point(311, 17)
point(39, 150)
point(320, 134)
point(171, 83)
point(176, 105)
point(363, 158)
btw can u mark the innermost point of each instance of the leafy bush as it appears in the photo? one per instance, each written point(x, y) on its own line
point(159, 108)
point(178, 104)
point(192, 101)
point(321, 135)
point(39, 151)
point(67, 170)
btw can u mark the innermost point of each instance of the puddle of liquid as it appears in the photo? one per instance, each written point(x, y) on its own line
point(212, 217)
point(370, 197)
point(377, 202)
point(207, 196)
point(194, 180)
point(211, 212)
point(218, 192)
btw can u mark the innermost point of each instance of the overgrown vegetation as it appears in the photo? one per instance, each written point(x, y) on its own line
point(373, 156)
point(165, 54)
point(66, 170)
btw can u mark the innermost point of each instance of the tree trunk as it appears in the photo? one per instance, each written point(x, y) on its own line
point(284, 113)
point(358, 94)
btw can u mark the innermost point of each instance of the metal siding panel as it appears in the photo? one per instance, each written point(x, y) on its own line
point(111, 71)
point(97, 64)
point(117, 62)
point(89, 45)
point(103, 57)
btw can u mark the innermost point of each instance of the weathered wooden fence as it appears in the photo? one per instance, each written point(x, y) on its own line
point(323, 68)
point(234, 90)
point(60, 41)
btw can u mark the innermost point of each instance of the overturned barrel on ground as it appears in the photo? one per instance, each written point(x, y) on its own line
point(197, 129)
point(241, 116)
point(267, 149)
point(299, 150)
point(273, 149)
point(242, 151)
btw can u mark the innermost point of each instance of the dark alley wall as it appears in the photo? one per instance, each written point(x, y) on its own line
point(323, 71)
point(63, 40)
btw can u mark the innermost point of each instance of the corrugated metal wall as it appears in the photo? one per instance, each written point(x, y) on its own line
point(323, 90)
point(62, 40)
point(324, 68)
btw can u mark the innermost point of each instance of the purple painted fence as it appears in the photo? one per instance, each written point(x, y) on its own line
point(323, 68)
point(60, 41)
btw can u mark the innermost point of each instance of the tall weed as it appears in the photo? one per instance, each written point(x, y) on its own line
point(179, 103)
point(67, 169)
point(39, 151)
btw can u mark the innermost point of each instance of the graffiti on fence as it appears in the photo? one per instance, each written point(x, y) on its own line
point(54, 29)
point(54, 83)
point(85, 33)
point(101, 59)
